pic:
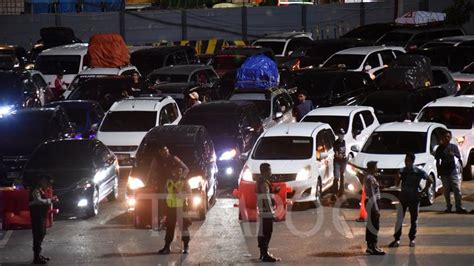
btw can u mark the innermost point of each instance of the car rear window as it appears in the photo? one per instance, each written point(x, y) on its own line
point(54, 64)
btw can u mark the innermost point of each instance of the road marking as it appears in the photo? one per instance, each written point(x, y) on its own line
point(465, 231)
point(345, 227)
point(5, 239)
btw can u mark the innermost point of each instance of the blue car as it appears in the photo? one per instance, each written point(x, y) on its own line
point(85, 116)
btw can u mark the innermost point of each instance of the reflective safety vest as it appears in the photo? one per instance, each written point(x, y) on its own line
point(173, 200)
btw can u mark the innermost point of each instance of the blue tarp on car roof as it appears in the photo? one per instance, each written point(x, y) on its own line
point(258, 71)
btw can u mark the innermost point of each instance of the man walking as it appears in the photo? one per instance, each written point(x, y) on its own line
point(410, 177)
point(373, 212)
point(340, 163)
point(303, 107)
point(266, 215)
point(449, 165)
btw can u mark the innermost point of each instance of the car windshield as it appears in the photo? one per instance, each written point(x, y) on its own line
point(129, 121)
point(276, 46)
point(58, 156)
point(54, 64)
point(228, 62)
point(336, 122)
point(395, 37)
point(469, 69)
point(452, 117)
point(349, 61)
point(172, 78)
point(395, 143)
point(77, 116)
point(284, 148)
point(213, 123)
point(80, 79)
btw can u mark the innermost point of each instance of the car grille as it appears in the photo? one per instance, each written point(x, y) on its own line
point(123, 148)
point(279, 177)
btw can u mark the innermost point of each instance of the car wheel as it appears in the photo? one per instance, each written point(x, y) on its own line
point(319, 192)
point(94, 207)
point(114, 194)
point(428, 200)
point(203, 209)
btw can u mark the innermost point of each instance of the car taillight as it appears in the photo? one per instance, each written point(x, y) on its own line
point(412, 47)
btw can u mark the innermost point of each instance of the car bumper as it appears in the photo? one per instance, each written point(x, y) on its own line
point(74, 203)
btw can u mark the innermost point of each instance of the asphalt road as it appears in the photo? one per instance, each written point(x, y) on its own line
point(328, 235)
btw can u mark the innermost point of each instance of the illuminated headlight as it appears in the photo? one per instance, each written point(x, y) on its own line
point(421, 165)
point(5, 110)
point(134, 183)
point(82, 203)
point(195, 182)
point(350, 187)
point(229, 171)
point(228, 155)
point(197, 200)
point(247, 174)
point(131, 202)
point(99, 176)
point(461, 140)
point(304, 174)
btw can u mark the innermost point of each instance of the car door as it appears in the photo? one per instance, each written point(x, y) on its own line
point(173, 113)
point(357, 128)
point(373, 60)
point(106, 172)
point(323, 165)
point(434, 136)
point(163, 118)
point(387, 57)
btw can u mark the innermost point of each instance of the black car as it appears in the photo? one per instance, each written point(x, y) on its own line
point(334, 87)
point(201, 74)
point(104, 90)
point(454, 58)
point(84, 115)
point(400, 105)
point(233, 127)
point(147, 60)
point(18, 90)
point(16, 53)
point(22, 131)
point(370, 32)
point(193, 145)
point(52, 37)
point(84, 172)
point(229, 59)
point(468, 90)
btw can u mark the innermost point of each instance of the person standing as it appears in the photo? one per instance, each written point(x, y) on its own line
point(265, 211)
point(449, 165)
point(372, 190)
point(137, 85)
point(340, 163)
point(59, 86)
point(39, 205)
point(303, 107)
point(410, 178)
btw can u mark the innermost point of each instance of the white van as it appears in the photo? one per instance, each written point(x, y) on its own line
point(66, 59)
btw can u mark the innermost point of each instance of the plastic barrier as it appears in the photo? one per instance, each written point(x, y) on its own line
point(16, 213)
point(248, 210)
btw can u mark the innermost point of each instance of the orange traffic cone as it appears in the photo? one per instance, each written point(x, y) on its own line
point(362, 211)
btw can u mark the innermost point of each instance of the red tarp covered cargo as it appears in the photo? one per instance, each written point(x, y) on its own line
point(108, 50)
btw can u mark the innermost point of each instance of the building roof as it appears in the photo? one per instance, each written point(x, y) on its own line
point(295, 129)
point(407, 126)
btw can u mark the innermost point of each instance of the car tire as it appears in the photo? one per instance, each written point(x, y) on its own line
point(114, 194)
point(93, 209)
point(203, 209)
point(430, 196)
point(319, 192)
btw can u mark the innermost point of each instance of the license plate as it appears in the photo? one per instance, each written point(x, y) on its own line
point(123, 156)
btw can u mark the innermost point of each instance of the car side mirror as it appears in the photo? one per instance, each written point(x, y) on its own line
point(367, 67)
point(95, 127)
point(278, 115)
point(244, 156)
point(355, 148)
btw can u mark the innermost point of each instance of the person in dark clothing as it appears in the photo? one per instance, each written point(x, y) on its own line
point(266, 213)
point(303, 107)
point(137, 85)
point(410, 177)
point(340, 163)
point(39, 204)
point(449, 165)
point(372, 191)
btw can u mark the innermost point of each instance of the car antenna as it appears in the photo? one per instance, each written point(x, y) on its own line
point(287, 129)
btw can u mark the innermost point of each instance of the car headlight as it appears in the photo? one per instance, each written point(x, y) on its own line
point(134, 183)
point(99, 176)
point(82, 203)
point(246, 174)
point(461, 140)
point(195, 182)
point(228, 155)
point(5, 110)
point(304, 174)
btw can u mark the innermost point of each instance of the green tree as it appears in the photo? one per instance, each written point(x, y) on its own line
point(459, 12)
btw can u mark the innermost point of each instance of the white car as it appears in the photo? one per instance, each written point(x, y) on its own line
point(283, 44)
point(68, 59)
point(388, 145)
point(357, 121)
point(300, 154)
point(370, 59)
point(465, 77)
point(128, 121)
point(457, 113)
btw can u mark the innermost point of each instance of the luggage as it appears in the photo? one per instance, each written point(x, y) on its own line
point(407, 72)
point(107, 50)
point(258, 71)
point(54, 36)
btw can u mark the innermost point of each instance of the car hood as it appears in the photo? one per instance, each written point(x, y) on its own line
point(62, 178)
point(279, 166)
point(391, 161)
point(19, 148)
point(121, 138)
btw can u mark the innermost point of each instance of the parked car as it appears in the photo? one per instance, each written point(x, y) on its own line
point(457, 114)
point(24, 130)
point(194, 147)
point(17, 53)
point(52, 37)
point(300, 154)
point(454, 58)
point(80, 181)
point(284, 44)
point(200, 74)
point(274, 105)
point(388, 145)
point(465, 77)
point(85, 116)
point(357, 121)
point(370, 59)
point(147, 60)
point(334, 87)
point(463, 40)
point(370, 32)
point(443, 79)
point(241, 130)
point(66, 59)
point(399, 105)
point(413, 38)
point(104, 90)
point(128, 121)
